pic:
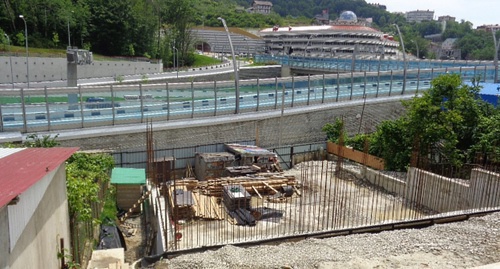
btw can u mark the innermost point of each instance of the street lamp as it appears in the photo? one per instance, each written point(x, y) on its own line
point(27, 52)
point(69, 33)
point(307, 44)
point(236, 78)
point(248, 49)
point(404, 58)
point(176, 61)
point(10, 59)
point(495, 61)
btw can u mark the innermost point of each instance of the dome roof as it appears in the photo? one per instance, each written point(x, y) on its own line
point(348, 16)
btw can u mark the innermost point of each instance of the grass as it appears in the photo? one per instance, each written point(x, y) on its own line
point(202, 60)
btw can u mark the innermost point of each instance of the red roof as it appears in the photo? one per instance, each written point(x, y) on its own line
point(20, 170)
point(336, 27)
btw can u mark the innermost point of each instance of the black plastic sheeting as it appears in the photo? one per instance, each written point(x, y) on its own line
point(111, 237)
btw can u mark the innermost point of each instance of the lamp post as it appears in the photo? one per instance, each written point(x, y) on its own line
point(307, 44)
point(236, 78)
point(176, 60)
point(27, 52)
point(10, 59)
point(495, 61)
point(404, 58)
point(69, 33)
point(248, 49)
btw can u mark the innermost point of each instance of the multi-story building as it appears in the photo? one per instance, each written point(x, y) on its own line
point(262, 7)
point(343, 37)
point(489, 27)
point(419, 15)
point(446, 18)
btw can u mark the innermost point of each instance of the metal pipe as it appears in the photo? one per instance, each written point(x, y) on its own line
point(404, 58)
point(236, 78)
point(27, 51)
point(176, 60)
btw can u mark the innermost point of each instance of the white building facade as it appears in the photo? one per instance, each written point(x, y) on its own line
point(344, 37)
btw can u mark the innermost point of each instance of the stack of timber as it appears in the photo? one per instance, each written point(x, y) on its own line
point(260, 184)
point(183, 204)
point(207, 207)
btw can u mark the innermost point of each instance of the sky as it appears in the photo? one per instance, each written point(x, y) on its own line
point(479, 12)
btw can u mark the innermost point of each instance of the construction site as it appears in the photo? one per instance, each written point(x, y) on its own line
point(242, 196)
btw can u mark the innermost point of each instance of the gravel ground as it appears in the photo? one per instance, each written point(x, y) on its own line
point(464, 244)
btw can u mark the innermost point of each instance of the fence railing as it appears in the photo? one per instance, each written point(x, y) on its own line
point(312, 198)
point(84, 233)
point(320, 198)
point(48, 109)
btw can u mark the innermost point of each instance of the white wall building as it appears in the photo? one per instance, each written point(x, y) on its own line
point(34, 216)
point(419, 15)
point(341, 38)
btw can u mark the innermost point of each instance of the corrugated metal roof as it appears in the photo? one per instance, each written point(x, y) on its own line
point(247, 150)
point(321, 28)
point(20, 169)
point(127, 176)
point(4, 152)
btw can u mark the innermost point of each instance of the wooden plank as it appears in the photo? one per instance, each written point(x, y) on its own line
point(269, 186)
point(218, 213)
point(256, 191)
point(297, 191)
point(196, 204)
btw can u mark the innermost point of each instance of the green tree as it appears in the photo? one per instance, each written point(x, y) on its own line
point(85, 173)
point(334, 131)
point(178, 16)
point(442, 124)
point(392, 142)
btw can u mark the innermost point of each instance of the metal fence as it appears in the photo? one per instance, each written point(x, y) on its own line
point(311, 198)
point(49, 109)
point(363, 63)
point(185, 156)
point(320, 198)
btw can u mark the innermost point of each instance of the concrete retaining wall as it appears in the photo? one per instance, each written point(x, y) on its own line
point(387, 182)
point(297, 127)
point(254, 72)
point(439, 193)
point(50, 69)
point(485, 188)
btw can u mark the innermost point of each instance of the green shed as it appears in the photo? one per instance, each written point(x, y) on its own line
point(129, 184)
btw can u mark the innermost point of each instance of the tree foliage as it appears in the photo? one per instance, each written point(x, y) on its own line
point(85, 174)
point(448, 124)
point(152, 28)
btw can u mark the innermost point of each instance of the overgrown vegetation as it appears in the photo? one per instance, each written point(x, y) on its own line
point(109, 210)
point(86, 175)
point(34, 141)
point(449, 124)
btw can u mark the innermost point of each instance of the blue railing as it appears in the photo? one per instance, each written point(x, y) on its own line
point(47, 109)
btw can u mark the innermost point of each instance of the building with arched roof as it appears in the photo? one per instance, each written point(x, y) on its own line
point(343, 37)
